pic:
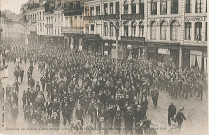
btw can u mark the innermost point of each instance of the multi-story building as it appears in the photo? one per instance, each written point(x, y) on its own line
point(40, 25)
point(103, 17)
point(73, 24)
point(177, 30)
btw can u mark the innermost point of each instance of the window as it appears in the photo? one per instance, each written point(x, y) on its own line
point(58, 31)
point(188, 28)
point(141, 30)
point(141, 8)
point(174, 30)
point(105, 9)
point(206, 31)
point(97, 10)
point(40, 15)
point(126, 29)
point(153, 31)
point(55, 32)
point(198, 30)
point(111, 29)
point(87, 11)
point(163, 30)
point(92, 27)
point(125, 7)
point(133, 7)
point(188, 6)
point(133, 29)
point(174, 6)
point(40, 27)
point(153, 8)
point(55, 18)
point(87, 29)
point(163, 7)
point(91, 11)
point(105, 29)
point(117, 7)
point(111, 8)
point(199, 6)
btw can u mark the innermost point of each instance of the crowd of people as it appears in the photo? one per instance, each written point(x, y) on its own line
point(77, 85)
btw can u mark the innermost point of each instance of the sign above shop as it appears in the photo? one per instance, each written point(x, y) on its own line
point(196, 18)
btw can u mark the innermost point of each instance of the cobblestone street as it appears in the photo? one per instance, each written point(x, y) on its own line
point(195, 110)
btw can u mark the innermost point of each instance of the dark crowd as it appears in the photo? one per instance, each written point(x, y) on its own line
point(88, 94)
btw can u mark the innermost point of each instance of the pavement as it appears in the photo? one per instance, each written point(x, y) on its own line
point(195, 110)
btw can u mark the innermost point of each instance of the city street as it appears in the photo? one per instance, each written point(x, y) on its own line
point(195, 110)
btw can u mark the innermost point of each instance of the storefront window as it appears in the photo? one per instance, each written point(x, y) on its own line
point(163, 30)
point(141, 30)
point(188, 28)
point(199, 6)
point(98, 10)
point(133, 7)
point(196, 59)
point(133, 29)
point(125, 7)
point(105, 29)
point(153, 8)
point(174, 6)
point(163, 7)
point(174, 30)
point(105, 9)
point(111, 8)
point(153, 31)
point(111, 29)
point(92, 29)
point(188, 6)
point(198, 30)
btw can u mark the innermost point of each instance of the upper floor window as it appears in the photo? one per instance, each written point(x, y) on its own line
point(174, 30)
point(125, 7)
point(141, 29)
point(199, 6)
point(97, 10)
point(105, 9)
point(117, 7)
point(91, 11)
point(174, 6)
point(111, 29)
point(153, 30)
point(198, 30)
point(163, 30)
point(133, 29)
point(111, 8)
point(206, 31)
point(141, 8)
point(153, 8)
point(163, 7)
point(188, 6)
point(133, 7)
point(87, 11)
point(188, 28)
point(126, 29)
point(105, 29)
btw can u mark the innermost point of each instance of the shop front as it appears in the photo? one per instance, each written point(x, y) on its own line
point(133, 47)
point(161, 52)
point(92, 44)
point(195, 57)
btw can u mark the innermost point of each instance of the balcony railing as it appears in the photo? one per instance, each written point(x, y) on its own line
point(132, 16)
point(139, 39)
point(49, 25)
point(97, 17)
point(78, 30)
point(110, 16)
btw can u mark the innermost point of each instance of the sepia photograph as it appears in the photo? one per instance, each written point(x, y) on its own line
point(104, 67)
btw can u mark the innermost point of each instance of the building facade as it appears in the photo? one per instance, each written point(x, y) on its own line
point(157, 30)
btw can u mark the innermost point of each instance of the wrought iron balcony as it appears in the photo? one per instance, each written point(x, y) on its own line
point(139, 39)
point(96, 17)
point(132, 16)
point(78, 30)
